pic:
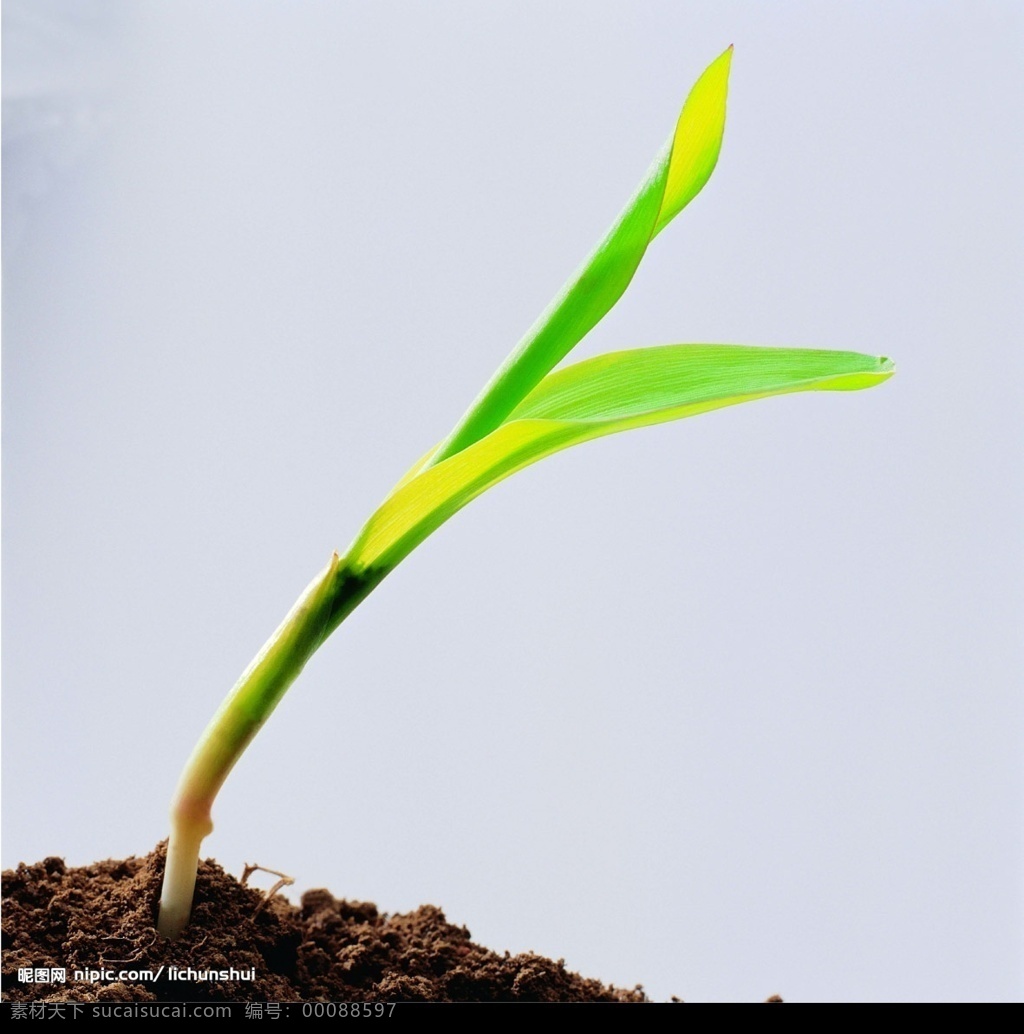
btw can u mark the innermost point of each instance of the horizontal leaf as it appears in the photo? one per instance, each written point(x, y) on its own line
point(676, 177)
point(596, 397)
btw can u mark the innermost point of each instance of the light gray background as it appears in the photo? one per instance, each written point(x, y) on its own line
point(726, 707)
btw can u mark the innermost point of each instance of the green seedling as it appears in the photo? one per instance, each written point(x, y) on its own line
point(526, 412)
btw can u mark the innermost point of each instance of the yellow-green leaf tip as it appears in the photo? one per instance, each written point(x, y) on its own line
point(697, 141)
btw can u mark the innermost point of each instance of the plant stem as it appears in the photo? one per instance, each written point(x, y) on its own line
point(327, 601)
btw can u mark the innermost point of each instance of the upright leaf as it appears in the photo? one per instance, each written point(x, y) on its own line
point(676, 177)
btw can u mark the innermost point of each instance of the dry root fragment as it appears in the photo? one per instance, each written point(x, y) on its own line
point(282, 881)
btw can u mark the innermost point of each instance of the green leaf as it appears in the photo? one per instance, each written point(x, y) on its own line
point(676, 177)
point(600, 396)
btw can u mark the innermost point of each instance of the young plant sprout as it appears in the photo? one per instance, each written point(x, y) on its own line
point(526, 412)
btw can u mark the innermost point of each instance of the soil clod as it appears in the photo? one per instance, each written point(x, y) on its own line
point(97, 924)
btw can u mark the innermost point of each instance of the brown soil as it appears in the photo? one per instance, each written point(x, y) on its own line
point(102, 917)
